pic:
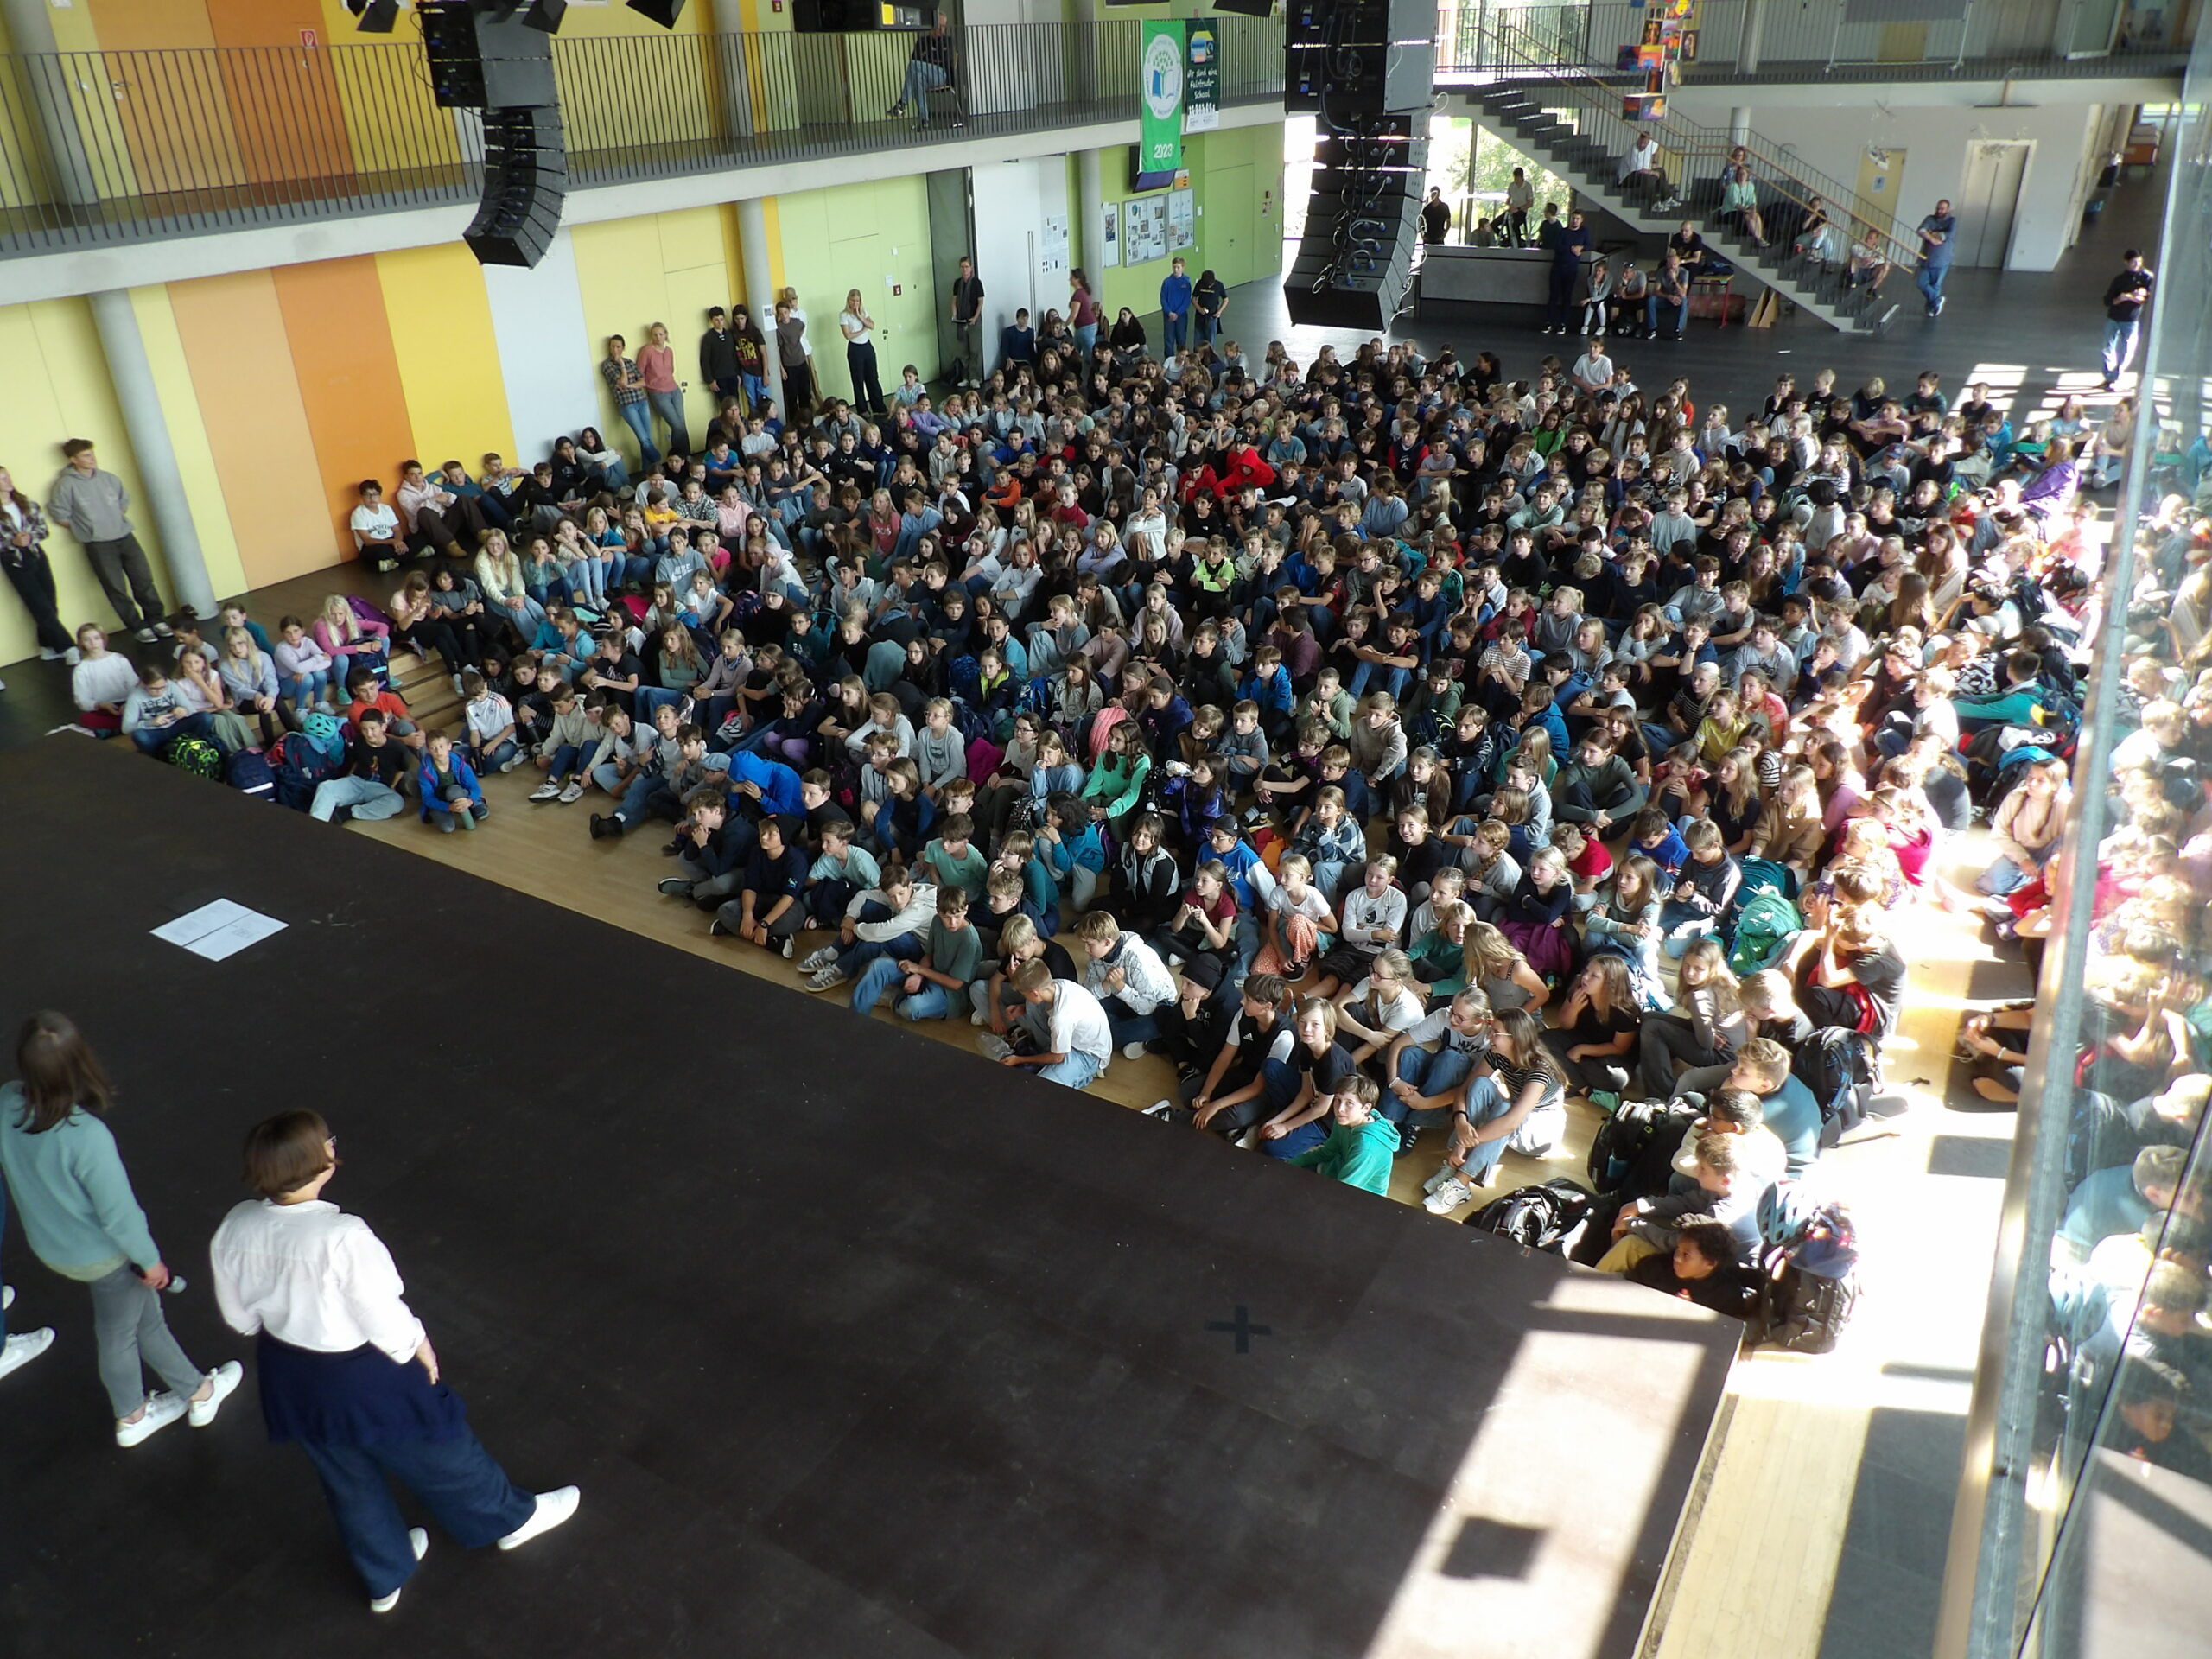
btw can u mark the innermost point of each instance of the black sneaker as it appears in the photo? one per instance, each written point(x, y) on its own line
point(609, 825)
point(1407, 1136)
point(716, 931)
point(675, 847)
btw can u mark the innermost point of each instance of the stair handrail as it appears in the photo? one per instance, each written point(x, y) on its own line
point(1778, 174)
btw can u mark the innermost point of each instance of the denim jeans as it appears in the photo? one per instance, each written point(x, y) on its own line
point(1129, 1027)
point(456, 1480)
point(669, 405)
point(651, 697)
point(1929, 279)
point(1681, 308)
point(365, 798)
point(133, 1338)
point(1174, 332)
point(566, 760)
point(152, 740)
point(588, 583)
point(1079, 1071)
point(632, 810)
point(639, 417)
point(307, 689)
point(1209, 324)
point(932, 1001)
point(1394, 679)
point(1432, 1074)
point(491, 759)
point(1086, 340)
point(922, 79)
point(2120, 347)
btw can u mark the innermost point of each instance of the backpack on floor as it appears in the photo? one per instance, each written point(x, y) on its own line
point(299, 768)
point(1623, 1142)
point(248, 773)
point(1764, 925)
point(1842, 1068)
point(194, 756)
point(1809, 1289)
point(1548, 1218)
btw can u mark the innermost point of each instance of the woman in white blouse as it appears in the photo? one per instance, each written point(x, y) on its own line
point(347, 1371)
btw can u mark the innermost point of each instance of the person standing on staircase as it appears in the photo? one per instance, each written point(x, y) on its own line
point(1568, 251)
point(1935, 233)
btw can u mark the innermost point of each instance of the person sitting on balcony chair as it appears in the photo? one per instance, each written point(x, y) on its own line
point(928, 67)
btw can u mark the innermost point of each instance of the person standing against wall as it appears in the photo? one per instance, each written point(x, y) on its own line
point(347, 1371)
point(859, 330)
point(2124, 297)
point(718, 357)
point(1082, 313)
point(620, 370)
point(791, 358)
point(82, 1220)
point(1175, 308)
point(96, 509)
point(22, 555)
point(1567, 272)
point(1209, 299)
point(967, 321)
point(1935, 233)
point(664, 391)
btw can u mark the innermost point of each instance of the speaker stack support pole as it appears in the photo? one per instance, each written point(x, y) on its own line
point(1366, 70)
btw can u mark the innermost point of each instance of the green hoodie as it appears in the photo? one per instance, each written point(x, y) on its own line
point(1359, 1155)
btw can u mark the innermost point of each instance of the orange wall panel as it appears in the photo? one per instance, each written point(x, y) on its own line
point(236, 345)
point(348, 380)
point(271, 23)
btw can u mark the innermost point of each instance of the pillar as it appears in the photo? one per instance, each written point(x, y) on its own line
point(60, 141)
point(1089, 189)
point(760, 283)
point(1747, 43)
point(1739, 125)
point(147, 427)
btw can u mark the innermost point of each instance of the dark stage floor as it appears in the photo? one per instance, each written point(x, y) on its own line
point(857, 1345)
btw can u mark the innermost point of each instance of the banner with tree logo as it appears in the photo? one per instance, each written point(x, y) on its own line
point(1159, 128)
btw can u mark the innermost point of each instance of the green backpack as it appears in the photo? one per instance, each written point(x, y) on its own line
point(1763, 925)
point(195, 756)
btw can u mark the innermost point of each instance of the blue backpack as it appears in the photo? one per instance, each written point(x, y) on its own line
point(249, 773)
point(299, 768)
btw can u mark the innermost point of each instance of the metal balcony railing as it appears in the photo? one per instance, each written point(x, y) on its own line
point(104, 148)
point(1819, 38)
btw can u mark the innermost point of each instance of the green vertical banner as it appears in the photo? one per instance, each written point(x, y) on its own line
point(1159, 128)
point(1202, 80)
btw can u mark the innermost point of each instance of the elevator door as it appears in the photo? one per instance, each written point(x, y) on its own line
point(1989, 200)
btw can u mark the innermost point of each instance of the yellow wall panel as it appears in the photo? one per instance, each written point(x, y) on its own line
point(689, 238)
point(892, 248)
point(441, 322)
point(196, 453)
point(628, 275)
point(57, 388)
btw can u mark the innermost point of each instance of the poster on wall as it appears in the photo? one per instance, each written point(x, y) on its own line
point(1182, 221)
point(1202, 78)
point(1109, 234)
point(1159, 104)
point(1144, 230)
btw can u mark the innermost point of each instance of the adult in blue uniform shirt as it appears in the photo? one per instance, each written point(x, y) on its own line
point(1175, 308)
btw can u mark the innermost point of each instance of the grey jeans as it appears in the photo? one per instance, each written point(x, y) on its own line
point(133, 1338)
point(365, 796)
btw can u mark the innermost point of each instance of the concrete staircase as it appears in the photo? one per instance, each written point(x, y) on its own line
point(1522, 110)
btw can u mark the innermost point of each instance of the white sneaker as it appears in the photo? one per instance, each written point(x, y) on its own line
point(223, 1383)
point(1160, 1108)
point(572, 794)
point(511, 763)
point(817, 960)
point(7, 1297)
point(973, 1019)
point(1133, 1050)
point(419, 1541)
point(546, 791)
point(1444, 1173)
point(828, 980)
point(553, 1508)
point(1448, 1197)
point(164, 630)
point(48, 654)
point(787, 947)
point(72, 657)
point(24, 1347)
point(159, 1411)
point(146, 637)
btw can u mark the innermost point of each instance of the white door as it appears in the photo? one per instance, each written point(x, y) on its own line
point(1989, 200)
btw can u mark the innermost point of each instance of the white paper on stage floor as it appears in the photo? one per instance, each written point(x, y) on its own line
point(219, 929)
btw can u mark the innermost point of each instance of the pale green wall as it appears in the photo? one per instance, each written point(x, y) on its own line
point(856, 235)
point(1210, 156)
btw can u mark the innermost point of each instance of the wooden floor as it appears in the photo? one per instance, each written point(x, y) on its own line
point(1818, 1526)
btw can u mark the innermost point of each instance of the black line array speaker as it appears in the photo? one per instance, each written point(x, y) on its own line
point(525, 181)
point(1368, 69)
point(478, 63)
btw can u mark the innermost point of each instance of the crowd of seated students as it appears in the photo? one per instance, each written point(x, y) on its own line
point(1394, 747)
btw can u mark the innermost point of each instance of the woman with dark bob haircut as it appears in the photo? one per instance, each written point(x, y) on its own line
point(347, 1371)
point(84, 1222)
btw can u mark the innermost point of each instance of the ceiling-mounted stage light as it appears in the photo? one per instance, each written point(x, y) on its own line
point(374, 16)
point(664, 12)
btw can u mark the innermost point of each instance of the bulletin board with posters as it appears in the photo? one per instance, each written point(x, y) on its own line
point(1144, 230)
point(1182, 221)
